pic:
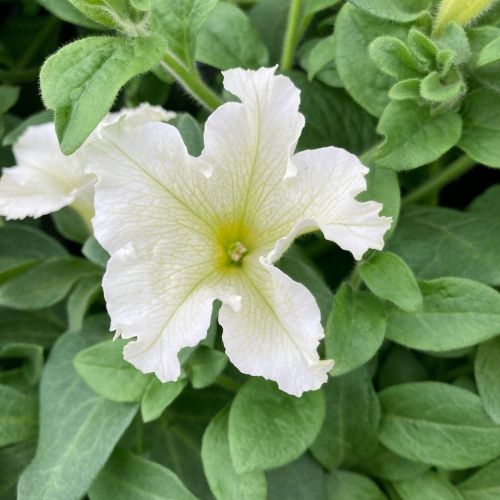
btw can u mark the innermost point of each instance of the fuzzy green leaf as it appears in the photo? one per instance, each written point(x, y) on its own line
point(349, 432)
point(487, 372)
point(394, 58)
point(228, 40)
point(81, 81)
point(104, 370)
point(355, 329)
point(18, 416)
point(413, 137)
point(438, 424)
point(388, 277)
point(484, 484)
point(402, 11)
point(72, 419)
point(345, 485)
point(268, 428)
point(225, 482)
point(158, 396)
point(428, 485)
point(456, 313)
point(129, 477)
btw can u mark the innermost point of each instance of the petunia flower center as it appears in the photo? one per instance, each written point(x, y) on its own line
point(236, 251)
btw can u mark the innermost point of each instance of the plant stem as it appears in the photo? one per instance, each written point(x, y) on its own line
point(291, 35)
point(191, 81)
point(456, 169)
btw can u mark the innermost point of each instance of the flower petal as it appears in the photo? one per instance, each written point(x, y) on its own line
point(323, 195)
point(152, 217)
point(276, 332)
point(44, 180)
point(166, 304)
point(150, 191)
point(249, 144)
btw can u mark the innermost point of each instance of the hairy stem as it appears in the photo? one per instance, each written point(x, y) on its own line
point(190, 79)
point(434, 184)
point(291, 35)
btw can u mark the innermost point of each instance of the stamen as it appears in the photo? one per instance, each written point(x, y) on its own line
point(236, 251)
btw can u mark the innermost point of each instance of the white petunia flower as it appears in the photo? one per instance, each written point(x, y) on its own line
point(183, 232)
point(45, 180)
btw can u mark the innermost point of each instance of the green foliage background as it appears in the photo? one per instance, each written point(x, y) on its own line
point(412, 408)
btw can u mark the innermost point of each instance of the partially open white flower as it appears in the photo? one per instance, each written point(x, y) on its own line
point(45, 180)
point(185, 231)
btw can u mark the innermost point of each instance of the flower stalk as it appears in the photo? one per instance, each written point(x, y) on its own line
point(292, 35)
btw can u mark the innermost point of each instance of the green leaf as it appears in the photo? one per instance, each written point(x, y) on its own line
point(70, 224)
point(64, 10)
point(268, 428)
point(321, 55)
point(36, 119)
point(385, 464)
point(456, 313)
point(455, 38)
point(179, 22)
point(8, 97)
point(129, 477)
point(433, 88)
point(104, 370)
point(345, 485)
point(174, 440)
point(13, 460)
point(225, 482)
point(204, 365)
point(467, 242)
point(405, 89)
point(481, 120)
point(354, 31)
point(302, 479)
point(487, 372)
point(228, 40)
point(72, 419)
point(394, 58)
point(95, 253)
point(428, 485)
point(158, 396)
point(388, 277)
point(270, 18)
point(191, 133)
point(413, 137)
point(484, 484)
point(118, 14)
point(349, 432)
point(32, 356)
point(438, 424)
point(22, 245)
point(355, 329)
point(402, 11)
point(81, 81)
point(296, 265)
point(46, 283)
point(80, 300)
point(400, 366)
point(383, 186)
point(332, 118)
point(18, 416)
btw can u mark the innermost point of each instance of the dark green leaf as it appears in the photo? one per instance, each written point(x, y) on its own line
point(349, 432)
point(228, 40)
point(484, 484)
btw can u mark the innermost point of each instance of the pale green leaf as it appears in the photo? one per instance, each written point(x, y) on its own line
point(268, 428)
point(487, 372)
